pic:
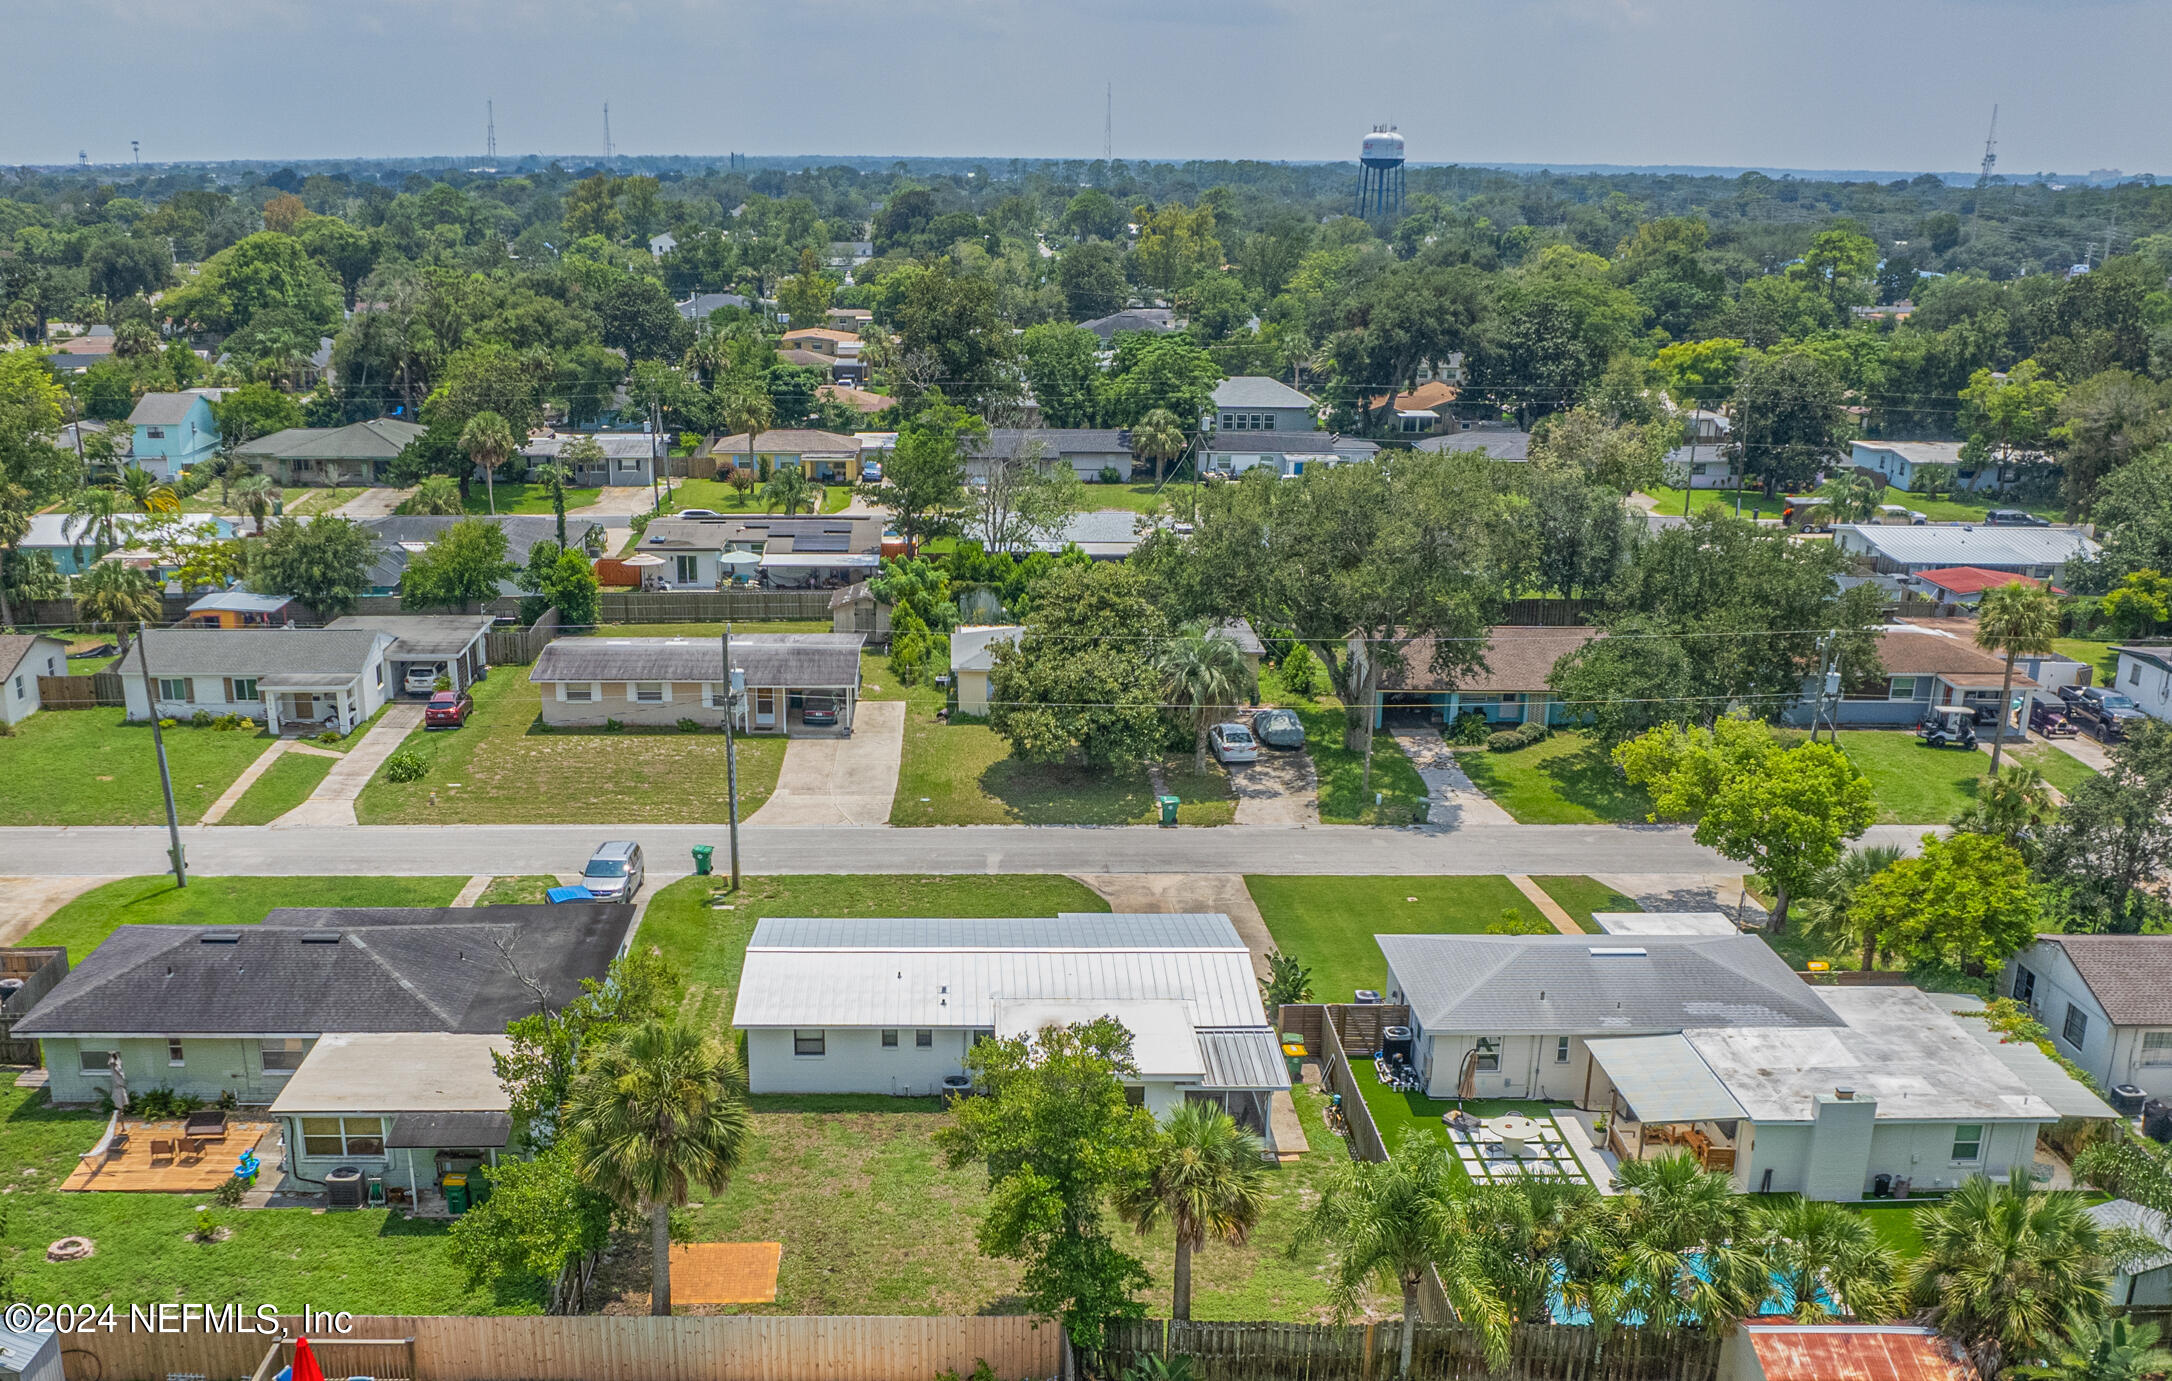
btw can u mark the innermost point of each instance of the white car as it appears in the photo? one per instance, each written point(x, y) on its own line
point(421, 677)
point(1232, 742)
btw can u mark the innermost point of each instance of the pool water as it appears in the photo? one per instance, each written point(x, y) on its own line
point(1781, 1301)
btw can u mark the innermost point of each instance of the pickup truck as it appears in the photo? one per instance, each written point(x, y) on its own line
point(2103, 713)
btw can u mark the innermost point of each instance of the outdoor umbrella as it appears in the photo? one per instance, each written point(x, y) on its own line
point(305, 1362)
point(647, 558)
point(120, 1082)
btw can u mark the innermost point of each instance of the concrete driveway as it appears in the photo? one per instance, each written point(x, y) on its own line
point(1167, 893)
point(25, 902)
point(374, 502)
point(616, 500)
point(1280, 789)
point(332, 803)
point(1455, 801)
point(841, 781)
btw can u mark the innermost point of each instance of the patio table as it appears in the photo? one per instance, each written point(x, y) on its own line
point(1515, 1131)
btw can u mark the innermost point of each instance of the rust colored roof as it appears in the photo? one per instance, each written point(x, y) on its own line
point(821, 333)
point(1855, 1352)
point(1969, 580)
point(1517, 659)
point(1433, 393)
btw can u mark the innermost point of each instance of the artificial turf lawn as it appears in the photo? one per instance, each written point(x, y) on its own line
point(84, 922)
point(284, 785)
point(1328, 923)
point(92, 767)
point(1563, 780)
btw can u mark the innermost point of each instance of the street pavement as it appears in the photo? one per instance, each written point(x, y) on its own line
point(439, 850)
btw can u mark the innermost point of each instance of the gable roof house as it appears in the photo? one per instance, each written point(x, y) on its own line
point(1157, 321)
point(2107, 1002)
point(2146, 1281)
point(293, 679)
point(660, 681)
point(972, 657)
point(358, 453)
point(893, 1006)
point(796, 552)
point(1959, 589)
point(79, 353)
point(401, 536)
point(1426, 408)
point(1286, 453)
point(2039, 552)
point(174, 431)
point(1509, 688)
point(1087, 450)
point(1256, 403)
point(628, 457)
point(1901, 464)
point(24, 657)
point(828, 457)
point(453, 645)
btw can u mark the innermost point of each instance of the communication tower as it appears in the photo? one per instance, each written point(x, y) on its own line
point(1990, 151)
point(1380, 174)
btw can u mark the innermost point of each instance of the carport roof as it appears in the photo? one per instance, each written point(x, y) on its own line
point(1663, 1079)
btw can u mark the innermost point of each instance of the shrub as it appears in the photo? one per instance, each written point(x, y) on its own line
point(228, 1195)
point(329, 736)
point(229, 721)
point(689, 726)
point(1109, 475)
point(168, 723)
point(612, 726)
point(1504, 741)
point(155, 1104)
point(404, 766)
point(1301, 673)
point(441, 683)
point(1469, 730)
point(202, 719)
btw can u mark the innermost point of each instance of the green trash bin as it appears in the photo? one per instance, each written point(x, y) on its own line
point(1168, 806)
point(456, 1194)
point(702, 854)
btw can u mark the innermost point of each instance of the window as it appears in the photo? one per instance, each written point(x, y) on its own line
point(2024, 987)
point(154, 433)
point(1561, 1050)
point(343, 1136)
point(174, 1055)
point(244, 688)
point(2077, 1025)
point(1967, 1143)
point(1901, 688)
point(923, 1040)
point(889, 1040)
point(380, 673)
point(94, 1061)
point(687, 569)
point(18, 686)
point(1267, 422)
point(579, 690)
point(173, 688)
point(808, 1042)
point(1489, 1055)
point(648, 692)
point(2156, 1048)
point(282, 1056)
point(2134, 673)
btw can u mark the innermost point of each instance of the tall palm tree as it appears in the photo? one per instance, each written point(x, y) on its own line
point(2016, 620)
point(1544, 1240)
point(1205, 674)
point(2005, 1267)
point(1830, 914)
point(1686, 1258)
point(1828, 1258)
point(2121, 1349)
point(1851, 498)
point(147, 492)
point(16, 509)
point(94, 512)
point(256, 495)
point(1158, 436)
point(111, 595)
point(789, 489)
point(749, 410)
point(489, 443)
point(1387, 1221)
point(657, 1111)
point(1207, 1181)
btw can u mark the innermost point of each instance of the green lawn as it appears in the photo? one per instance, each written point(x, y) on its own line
point(525, 498)
point(517, 891)
point(284, 785)
point(2057, 766)
point(83, 923)
point(1915, 785)
point(1345, 798)
point(1139, 498)
point(366, 1261)
point(717, 495)
point(292, 500)
point(1964, 509)
point(502, 767)
point(1580, 896)
point(2096, 652)
point(1328, 923)
point(92, 767)
point(1566, 780)
point(1895, 1224)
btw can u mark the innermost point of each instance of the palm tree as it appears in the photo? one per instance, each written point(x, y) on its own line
point(658, 1110)
point(94, 512)
point(2122, 1349)
point(489, 443)
point(111, 595)
point(2017, 620)
point(1685, 1260)
point(1829, 915)
point(1204, 674)
point(256, 495)
point(1813, 1248)
point(148, 492)
point(749, 410)
point(2005, 1267)
point(16, 509)
point(1387, 1221)
point(2011, 803)
point(1207, 1180)
point(228, 470)
point(788, 489)
point(1159, 437)
point(438, 495)
point(1851, 498)
point(1543, 1240)
point(552, 475)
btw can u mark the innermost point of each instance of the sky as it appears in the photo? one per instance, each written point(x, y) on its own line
point(1835, 84)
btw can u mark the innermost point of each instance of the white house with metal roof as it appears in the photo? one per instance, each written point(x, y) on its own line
point(2039, 552)
point(894, 1006)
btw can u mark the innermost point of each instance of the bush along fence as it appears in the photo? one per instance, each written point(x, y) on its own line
point(1370, 1352)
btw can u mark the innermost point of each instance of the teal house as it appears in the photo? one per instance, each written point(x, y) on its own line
point(174, 431)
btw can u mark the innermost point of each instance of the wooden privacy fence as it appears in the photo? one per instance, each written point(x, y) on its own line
point(601, 1348)
point(712, 606)
point(1549, 613)
point(520, 646)
point(101, 688)
point(1372, 1352)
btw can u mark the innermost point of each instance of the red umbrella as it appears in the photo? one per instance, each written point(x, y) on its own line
point(305, 1362)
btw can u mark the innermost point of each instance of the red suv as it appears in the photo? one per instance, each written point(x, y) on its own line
point(447, 710)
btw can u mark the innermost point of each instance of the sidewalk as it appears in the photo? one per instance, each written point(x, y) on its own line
point(332, 803)
point(247, 779)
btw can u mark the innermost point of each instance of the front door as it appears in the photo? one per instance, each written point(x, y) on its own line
point(765, 709)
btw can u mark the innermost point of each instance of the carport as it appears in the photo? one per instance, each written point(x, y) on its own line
point(452, 641)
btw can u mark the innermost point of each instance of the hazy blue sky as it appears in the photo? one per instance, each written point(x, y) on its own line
point(1829, 84)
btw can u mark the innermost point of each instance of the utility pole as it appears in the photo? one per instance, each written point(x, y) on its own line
point(731, 751)
point(165, 774)
point(1372, 721)
point(135, 149)
point(1825, 687)
point(490, 133)
point(1108, 124)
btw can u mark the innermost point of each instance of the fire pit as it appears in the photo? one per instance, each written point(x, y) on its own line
point(70, 1249)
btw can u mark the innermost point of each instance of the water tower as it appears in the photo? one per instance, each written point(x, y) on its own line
point(1380, 174)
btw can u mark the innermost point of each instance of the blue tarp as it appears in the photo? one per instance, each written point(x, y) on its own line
point(564, 894)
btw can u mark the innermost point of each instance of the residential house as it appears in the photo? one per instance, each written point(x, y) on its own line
point(73, 548)
point(174, 431)
point(2107, 1002)
point(854, 319)
point(839, 349)
point(1421, 410)
point(80, 353)
point(1249, 647)
point(402, 536)
point(75, 434)
point(1702, 464)
point(1283, 453)
point(2038, 552)
point(1930, 663)
point(241, 609)
point(358, 453)
point(660, 245)
point(293, 679)
point(848, 254)
point(972, 657)
point(2145, 1282)
point(1957, 590)
point(452, 644)
point(1087, 450)
point(1104, 534)
point(893, 1006)
point(855, 609)
point(24, 657)
point(825, 457)
point(1769, 1350)
point(2144, 675)
point(660, 681)
point(699, 307)
point(1490, 439)
point(1901, 465)
point(1509, 687)
point(1157, 321)
point(628, 458)
point(858, 399)
point(1255, 403)
point(798, 552)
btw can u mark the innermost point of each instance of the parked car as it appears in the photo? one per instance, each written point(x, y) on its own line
point(1232, 742)
point(1808, 514)
point(421, 677)
point(819, 712)
point(614, 871)
point(2047, 716)
point(2104, 713)
point(697, 513)
point(447, 709)
point(1949, 726)
point(2013, 517)
point(1892, 514)
point(871, 472)
point(1279, 728)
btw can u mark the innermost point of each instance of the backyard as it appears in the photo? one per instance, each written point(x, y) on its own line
point(1328, 923)
point(92, 767)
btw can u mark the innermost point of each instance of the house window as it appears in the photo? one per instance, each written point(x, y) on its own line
point(343, 1136)
point(580, 690)
point(687, 569)
point(1489, 1055)
point(244, 688)
point(174, 1055)
point(2077, 1025)
point(2024, 987)
point(1267, 422)
point(174, 688)
point(923, 1040)
point(1967, 1143)
point(154, 433)
point(1901, 688)
point(18, 687)
point(282, 1056)
point(2156, 1048)
point(94, 1061)
point(1561, 1050)
point(808, 1042)
point(2134, 673)
point(648, 692)
point(889, 1040)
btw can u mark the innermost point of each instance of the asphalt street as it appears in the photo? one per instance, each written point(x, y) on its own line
point(423, 850)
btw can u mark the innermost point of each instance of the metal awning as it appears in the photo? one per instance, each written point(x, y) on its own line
point(1664, 1079)
point(1243, 1058)
point(440, 1131)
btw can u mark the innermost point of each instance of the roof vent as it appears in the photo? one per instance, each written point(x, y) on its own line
point(220, 937)
point(320, 937)
point(1844, 1094)
point(1617, 952)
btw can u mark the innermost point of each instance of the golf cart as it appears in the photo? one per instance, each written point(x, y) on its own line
point(1949, 726)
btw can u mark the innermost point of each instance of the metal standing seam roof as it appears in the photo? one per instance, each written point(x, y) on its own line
point(1597, 985)
point(1663, 1079)
point(767, 659)
point(1972, 544)
point(1243, 1057)
point(241, 602)
point(258, 652)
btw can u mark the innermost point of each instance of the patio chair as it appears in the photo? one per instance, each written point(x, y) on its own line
point(162, 1146)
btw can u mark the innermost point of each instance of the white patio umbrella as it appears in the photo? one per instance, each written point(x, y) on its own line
point(740, 558)
point(120, 1081)
point(647, 558)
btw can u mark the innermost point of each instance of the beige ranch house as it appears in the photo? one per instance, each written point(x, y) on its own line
point(656, 682)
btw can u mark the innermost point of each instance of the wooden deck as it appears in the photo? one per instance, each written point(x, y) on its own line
point(134, 1169)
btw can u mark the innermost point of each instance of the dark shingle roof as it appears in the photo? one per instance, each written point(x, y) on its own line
point(2130, 975)
point(768, 659)
point(522, 531)
point(421, 635)
point(403, 970)
point(1007, 442)
point(16, 646)
point(163, 409)
point(1257, 391)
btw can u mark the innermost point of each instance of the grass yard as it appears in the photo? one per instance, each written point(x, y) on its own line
point(92, 767)
point(2057, 766)
point(1344, 796)
point(517, 891)
point(83, 923)
point(1580, 896)
point(717, 495)
point(1963, 509)
point(292, 500)
point(526, 498)
point(2096, 652)
point(284, 785)
point(1139, 498)
point(504, 768)
point(365, 1261)
point(1915, 785)
point(1566, 780)
point(1328, 923)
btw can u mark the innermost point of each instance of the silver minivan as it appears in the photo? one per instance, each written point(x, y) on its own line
point(614, 871)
